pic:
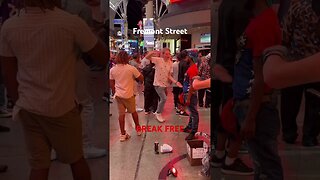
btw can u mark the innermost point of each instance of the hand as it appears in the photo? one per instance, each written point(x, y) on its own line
point(222, 74)
point(179, 84)
point(248, 129)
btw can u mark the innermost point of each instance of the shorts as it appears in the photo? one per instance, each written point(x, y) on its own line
point(42, 134)
point(129, 104)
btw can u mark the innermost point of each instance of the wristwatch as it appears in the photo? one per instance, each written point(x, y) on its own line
point(274, 50)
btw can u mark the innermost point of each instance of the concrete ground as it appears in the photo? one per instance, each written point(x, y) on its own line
point(135, 159)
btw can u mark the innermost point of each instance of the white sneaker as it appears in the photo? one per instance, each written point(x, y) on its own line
point(139, 109)
point(53, 155)
point(139, 133)
point(92, 152)
point(159, 117)
point(124, 137)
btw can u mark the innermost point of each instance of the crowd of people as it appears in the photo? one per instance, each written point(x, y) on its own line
point(258, 51)
point(53, 56)
point(157, 73)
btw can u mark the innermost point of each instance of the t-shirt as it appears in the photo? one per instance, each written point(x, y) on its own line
point(45, 44)
point(233, 19)
point(124, 76)
point(191, 72)
point(262, 32)
point(175, 71)
point(163, 69)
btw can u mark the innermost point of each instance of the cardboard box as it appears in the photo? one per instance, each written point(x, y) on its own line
point(196, 149)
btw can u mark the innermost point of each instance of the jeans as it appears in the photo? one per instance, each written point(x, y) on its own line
point(176, 92)
point(264, 146)
point(194, 114)
point(163, 98)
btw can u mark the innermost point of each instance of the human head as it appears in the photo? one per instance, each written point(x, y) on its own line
point(122, 58)
point(165, 54)
point(182, 55)
point(135, 56)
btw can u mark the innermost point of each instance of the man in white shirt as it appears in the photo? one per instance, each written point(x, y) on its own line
point(38, 51)
point(122, 82)
point(163, 75)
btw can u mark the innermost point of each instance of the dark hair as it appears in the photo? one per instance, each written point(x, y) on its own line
point(135, 56)
point(122, 58)
point(182, 55)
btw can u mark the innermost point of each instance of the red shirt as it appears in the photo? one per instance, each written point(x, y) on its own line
point(262, 32)
point(192, 71)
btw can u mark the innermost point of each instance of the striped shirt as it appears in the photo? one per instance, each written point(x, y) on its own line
point(45, 45)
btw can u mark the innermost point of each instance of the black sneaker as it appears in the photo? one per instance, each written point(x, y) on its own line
point(183, 113)
point(237, 168)
point(186, 130)
point(190, 137)
point(4, 129)
point(177, 112)
point(216, 162)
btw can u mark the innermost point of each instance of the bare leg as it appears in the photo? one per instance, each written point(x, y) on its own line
point(135, 118)
point(122, 124)
point(80, 170)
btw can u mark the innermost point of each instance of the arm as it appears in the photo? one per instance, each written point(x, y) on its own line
point(248, 130)
point(174, 81)
point(151, 54)
point(291, 73)
point(197, 84)
point(9, 70)
point(140, 78)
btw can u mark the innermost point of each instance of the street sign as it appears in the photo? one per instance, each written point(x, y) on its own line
point(148, 38)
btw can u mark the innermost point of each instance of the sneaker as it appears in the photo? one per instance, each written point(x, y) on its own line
point(124, 137)
point(237, 168)
point(4, 129)
point(186, 130)
point(53, 155)
point(216, 162)
point(178, 112)
point(139, 132)
point(190, 137)
point(92, 152)
point(159, 117)
point(139, 109)
point(5, 114)
point(183, 113)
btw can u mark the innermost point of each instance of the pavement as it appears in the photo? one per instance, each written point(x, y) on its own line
point(135, 159)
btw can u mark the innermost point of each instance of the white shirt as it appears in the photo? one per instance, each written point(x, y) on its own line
point(162, 71)
point(124, 76)
point(45, 45)
point(175, 71)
